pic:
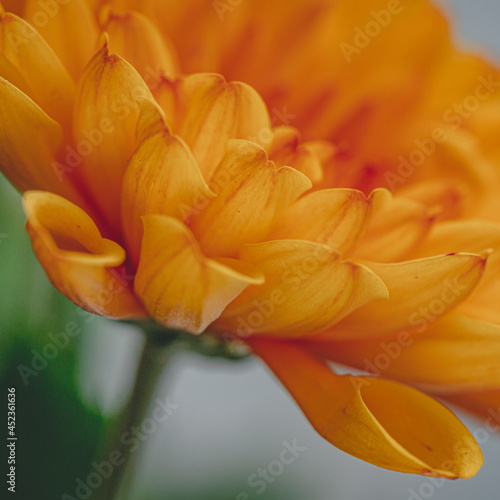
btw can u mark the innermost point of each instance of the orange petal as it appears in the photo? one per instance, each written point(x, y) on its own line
point(164, 92)
point(250, 194)
point(78, 261)
point(162, 177)
point(213, 111)
point(69, 27)
point(105, 121)
point(382, 422)
point(335, 217)
point(455, 353)
point(286, 150)
point(483, 302)
point(468, 235)
point(308, 288)
point(44, 78)
point(485, 404)
point(398, 225)
point(28, 164)
point(180, 287)
point(446, 199)
point(135, 37)
point(12, 74)
point(420, 291)
point(474, 236)
point(14, 6)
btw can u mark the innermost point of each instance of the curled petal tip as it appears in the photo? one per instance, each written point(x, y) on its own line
point(486, 253)
point(104, 43)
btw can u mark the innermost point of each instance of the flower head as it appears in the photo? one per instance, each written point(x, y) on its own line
point(178, 196)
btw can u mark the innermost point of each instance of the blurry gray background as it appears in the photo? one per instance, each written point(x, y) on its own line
point(233, 418)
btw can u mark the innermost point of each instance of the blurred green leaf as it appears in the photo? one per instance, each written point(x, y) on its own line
point(57, 436)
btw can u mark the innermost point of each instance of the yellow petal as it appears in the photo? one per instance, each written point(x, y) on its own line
point(45, 79)
point(215, 111)
point(308, 288)
point(286, 150)
point(105, 121)
point(250, 194)
point(455, 353)
point(382, 422)
point(162, 177)
point(335, 217)
point(135, 37)
point(397, 226)
point(474, 236)
point(28, 164)
point(69, 27)
point(420, 291)
point(180, 287)
point(78, 261)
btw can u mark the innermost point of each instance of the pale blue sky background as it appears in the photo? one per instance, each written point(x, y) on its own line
point(233, 418)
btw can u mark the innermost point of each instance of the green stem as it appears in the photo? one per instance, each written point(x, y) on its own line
point(159, 347)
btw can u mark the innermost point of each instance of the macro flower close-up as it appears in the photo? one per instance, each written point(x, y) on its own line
point(314, 183)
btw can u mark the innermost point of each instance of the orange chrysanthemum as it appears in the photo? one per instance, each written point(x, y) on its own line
point(153, 189)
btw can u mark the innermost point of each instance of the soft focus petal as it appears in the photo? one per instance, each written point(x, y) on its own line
point(444, 198)
point(104, 125)
point(308, 288)
point(69, 27)
point(345, 93)
point(180, 287)
point(460, 161)
point(287, 150)
point(28, 164)
point(10, 73)
point(454, 353)
point(335, 217)
point(14, 6)
point(485, 404)
point(420, 291)
point(45, 79)
point(135, 37)
point(162, 177)
point(382, 422)
point(79, 262)
point(251, 192)
point(396, 227)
